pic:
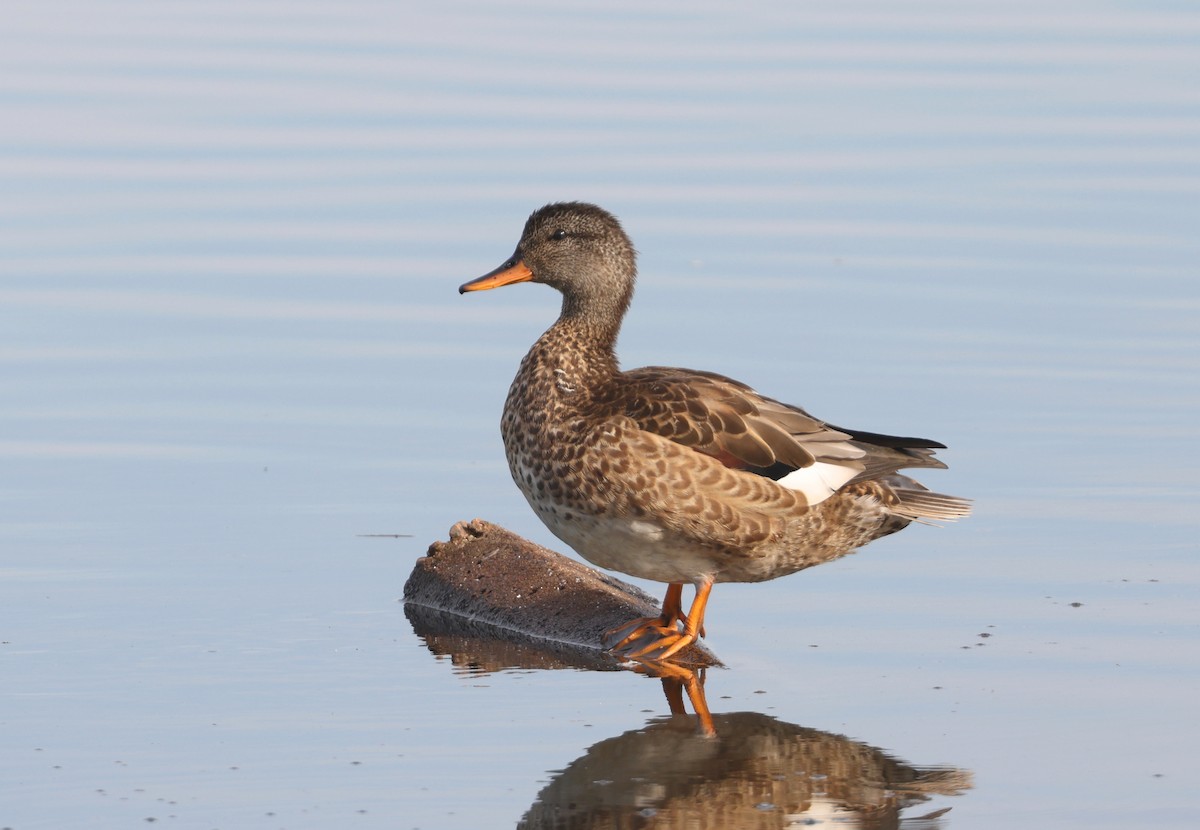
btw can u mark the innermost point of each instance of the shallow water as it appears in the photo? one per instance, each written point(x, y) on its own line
point(231, 350)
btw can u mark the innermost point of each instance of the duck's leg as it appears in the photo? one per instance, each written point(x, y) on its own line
point(672, 610)
point(672, 607)
point(673, 640)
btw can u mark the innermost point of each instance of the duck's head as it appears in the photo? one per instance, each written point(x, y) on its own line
point(579, 249)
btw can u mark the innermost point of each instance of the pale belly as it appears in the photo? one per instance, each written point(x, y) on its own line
point(635, 547)
point(642, 549)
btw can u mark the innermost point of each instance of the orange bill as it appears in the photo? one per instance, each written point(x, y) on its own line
point(515, 270)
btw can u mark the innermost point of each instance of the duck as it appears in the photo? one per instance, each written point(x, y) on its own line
point(673, 475)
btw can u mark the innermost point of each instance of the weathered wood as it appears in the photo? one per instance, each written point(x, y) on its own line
point(500, 585)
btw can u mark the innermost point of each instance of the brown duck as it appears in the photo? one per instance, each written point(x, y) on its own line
point(677, 475)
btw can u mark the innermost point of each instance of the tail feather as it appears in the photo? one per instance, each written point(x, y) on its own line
point(920, 504)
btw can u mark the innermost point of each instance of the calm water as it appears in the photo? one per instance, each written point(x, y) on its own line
point(231, 347)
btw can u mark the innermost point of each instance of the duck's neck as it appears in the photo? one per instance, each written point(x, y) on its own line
point(583, 348)
point(593, 319)
point(577, 354)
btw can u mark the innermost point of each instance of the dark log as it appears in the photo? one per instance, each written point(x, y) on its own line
point(489, 583)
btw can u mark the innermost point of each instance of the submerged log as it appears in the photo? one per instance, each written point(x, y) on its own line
point(490, 582)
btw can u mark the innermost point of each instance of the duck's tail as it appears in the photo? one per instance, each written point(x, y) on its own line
point(921, 504)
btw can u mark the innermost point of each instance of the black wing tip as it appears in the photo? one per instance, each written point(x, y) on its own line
point(895, 442)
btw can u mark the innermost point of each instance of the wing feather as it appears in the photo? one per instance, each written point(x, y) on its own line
point(728, 420)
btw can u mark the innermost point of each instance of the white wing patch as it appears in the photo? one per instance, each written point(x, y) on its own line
point(818, 481)
point(647, 530)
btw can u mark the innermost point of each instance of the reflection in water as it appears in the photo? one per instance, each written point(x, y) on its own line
point(477, 647)
point(757, 772)
point(736, 770)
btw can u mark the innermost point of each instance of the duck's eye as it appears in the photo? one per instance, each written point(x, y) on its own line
point(558, 234)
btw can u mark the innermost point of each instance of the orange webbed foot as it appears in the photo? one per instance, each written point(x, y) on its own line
point(663, 647)
point(622, 638)
point(659, 638)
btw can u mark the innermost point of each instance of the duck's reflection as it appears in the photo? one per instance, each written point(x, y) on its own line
point(734, 770)
point(757, 772)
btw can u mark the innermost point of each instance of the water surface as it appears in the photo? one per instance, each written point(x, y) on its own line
point(231, 348)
